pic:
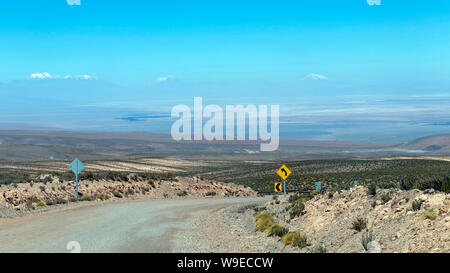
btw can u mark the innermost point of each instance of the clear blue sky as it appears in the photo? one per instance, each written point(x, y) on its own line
point(243, 49)
point(135, 42)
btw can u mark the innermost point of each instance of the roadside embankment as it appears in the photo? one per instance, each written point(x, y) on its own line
point(22, 198)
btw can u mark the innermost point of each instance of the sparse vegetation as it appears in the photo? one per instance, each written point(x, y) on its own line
point(151, 182)
point(385, 197)
point(182, 193)
point(430, 214)
point(337, 174)
point(297, 210)
point(40, 204)
point(366, 238)
point(298, 198)
point(171, 176)
point(372, 189)
point(87, 198)
point(315, 192)
point(359, 224)
point(263, 221)
point(211, 193)
point(416, 205)
point(320, 249)
point(277, 230)
point(29, 205)
point(296, 239)
point(117, 194)
point(373, 204)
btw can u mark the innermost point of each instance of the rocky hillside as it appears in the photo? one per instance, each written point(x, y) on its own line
point(24, 197)
point(400, 221)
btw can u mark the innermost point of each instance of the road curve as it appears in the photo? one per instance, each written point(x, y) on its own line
point(138, 226)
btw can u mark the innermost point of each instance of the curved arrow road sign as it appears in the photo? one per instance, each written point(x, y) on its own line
point(278, 187)
point(284, 172)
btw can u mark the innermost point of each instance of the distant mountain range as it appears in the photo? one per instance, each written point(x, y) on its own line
point(438, 144)
point(40, 145)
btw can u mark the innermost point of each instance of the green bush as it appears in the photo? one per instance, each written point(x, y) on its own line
point(374, 204)
point(366, 238)
point(151, 182)
point(359, 223)
point(445, 187)
point(277, 230)
point(296, 239)
point(385, 197)
point(372, 189)
point(297, 210)
point(409, 183)
point(298, 198)
point(416, 205)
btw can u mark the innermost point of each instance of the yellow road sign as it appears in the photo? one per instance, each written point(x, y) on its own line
point(278, 187)
point(284, 172)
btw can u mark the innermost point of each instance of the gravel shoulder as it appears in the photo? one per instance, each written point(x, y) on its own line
point(227, 230)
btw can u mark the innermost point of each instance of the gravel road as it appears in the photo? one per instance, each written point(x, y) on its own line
point(139, 226)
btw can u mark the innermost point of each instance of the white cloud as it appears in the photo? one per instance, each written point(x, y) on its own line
point(44, 75)
point(314, 76)
point(73, 2)
point(47, 75)
point(165, 78)
point(85, 77)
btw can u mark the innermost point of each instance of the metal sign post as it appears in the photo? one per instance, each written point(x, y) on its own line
point(76, 166)
point(76, 185)
point(284, 172)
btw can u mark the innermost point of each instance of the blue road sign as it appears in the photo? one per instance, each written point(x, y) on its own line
point(355, 183)
point(318, 185)
point(76, 166)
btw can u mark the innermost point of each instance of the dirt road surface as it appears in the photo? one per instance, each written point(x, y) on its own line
point(139, 226)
